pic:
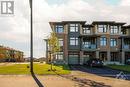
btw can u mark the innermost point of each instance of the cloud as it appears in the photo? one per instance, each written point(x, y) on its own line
point(125, 3)
point(15, 31)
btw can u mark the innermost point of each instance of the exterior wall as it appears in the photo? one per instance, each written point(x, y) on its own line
point(66, 44)
point(67, 49)
point(81, 29)
point(73, 34)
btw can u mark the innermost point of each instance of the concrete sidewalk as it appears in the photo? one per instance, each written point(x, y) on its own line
point(28, 81)
point(80, 79)
point(17, 81)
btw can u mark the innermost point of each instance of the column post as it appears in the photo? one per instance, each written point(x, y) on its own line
point(81, 58)
point(97, 54)
point(108, 56)
point(122, 52)
point(123, 57)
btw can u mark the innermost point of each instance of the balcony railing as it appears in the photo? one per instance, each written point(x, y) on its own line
point(126, 47)
point(89, 47)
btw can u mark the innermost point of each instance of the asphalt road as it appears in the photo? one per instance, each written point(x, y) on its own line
point(102, 71)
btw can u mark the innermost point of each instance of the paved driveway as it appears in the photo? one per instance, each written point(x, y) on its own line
point(104, 71)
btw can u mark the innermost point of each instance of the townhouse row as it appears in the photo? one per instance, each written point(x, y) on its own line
point(10, 55)
point(79, 41)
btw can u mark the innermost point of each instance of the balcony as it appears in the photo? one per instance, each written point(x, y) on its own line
point(89, 47)
point(126, 46)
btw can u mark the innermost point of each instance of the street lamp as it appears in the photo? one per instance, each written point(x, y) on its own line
point(31, 36)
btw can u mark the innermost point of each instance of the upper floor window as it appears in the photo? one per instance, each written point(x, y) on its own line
point(86, 30)
point(127, 41)
point(74, 27)
point(114, 29)
point(113, 42)
point(102, 28)
point(87, 44)
point(59, 29)
point(73, 41)
point(103, 41)
point(60, 42)
point(123, 31)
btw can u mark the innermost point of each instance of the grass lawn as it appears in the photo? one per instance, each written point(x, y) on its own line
point(120, 67)
point(39, 68)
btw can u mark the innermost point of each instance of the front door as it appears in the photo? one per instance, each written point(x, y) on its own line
point(127, 56)
point(103, 56)
point(86, 58)
point(74, 59)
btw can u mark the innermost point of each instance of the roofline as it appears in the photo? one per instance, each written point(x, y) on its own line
point(10, 49)
point(46, 39)
point(120, 23)
point(82, 22)
point(65, 22)
point(108, 22)
point(125, 27)
point(88, 25)
point(97, 22)
point(94, 22)
point(55, 23)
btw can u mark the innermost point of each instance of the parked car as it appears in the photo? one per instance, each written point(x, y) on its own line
point(94, 63)
point(128, 61)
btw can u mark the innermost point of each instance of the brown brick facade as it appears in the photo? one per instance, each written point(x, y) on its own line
point(88, 48)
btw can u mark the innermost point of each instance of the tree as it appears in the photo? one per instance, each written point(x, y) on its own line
point(53, 46)
point(2, 52)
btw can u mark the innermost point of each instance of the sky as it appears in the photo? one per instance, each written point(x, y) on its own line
point(15, 30)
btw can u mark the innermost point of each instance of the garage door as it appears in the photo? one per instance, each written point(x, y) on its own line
point(73, 59)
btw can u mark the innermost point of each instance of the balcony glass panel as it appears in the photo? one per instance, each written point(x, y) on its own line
point(93, 46)
point(126, 46)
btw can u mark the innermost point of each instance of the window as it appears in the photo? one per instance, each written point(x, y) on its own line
point(74, 27)
point(102, 28)
point(60, 42)
point(123, 31)
point(114, 29)
point(74, 41)
point(59, 55)
point(87, 44)
point(59, 29)
point(86, 30)
point(103, 41)
point(113, 42)
point(127, 41)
